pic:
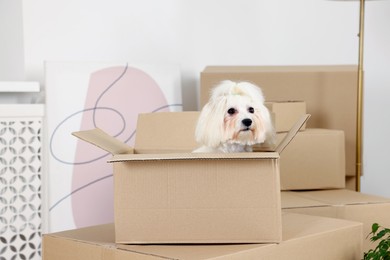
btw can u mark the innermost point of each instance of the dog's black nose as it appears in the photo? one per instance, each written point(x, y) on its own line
point(246, 122)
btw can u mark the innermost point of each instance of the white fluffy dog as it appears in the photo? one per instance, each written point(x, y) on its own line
point(234, 119)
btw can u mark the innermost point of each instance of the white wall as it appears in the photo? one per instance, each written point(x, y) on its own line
point(376, 140)
point(191, 33)
point(11, 40)
point(203, 32)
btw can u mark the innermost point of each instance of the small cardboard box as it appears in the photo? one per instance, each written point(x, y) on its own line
point(329, 91)
point(286, 113)
point(304, 238)
point(343, 204)
point(315, 159)
point(185, 197)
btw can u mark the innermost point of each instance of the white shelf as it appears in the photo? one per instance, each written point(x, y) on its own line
point(22, 110)
point(19, 86)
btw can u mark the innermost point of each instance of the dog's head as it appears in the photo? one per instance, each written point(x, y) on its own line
point(235, 114)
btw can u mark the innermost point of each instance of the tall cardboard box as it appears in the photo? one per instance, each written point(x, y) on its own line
point(185, 197)
point(330, 93)
point(304, 238)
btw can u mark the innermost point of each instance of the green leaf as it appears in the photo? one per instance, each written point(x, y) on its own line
point(382, 250)
point(380, 234)
point(369, 255)
point(375, 227)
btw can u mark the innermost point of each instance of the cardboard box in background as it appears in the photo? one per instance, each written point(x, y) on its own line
point(191, 197)
point(315, 159)
point(304, 237)
point(330, 93)
point(286, 114)
point(350, 182)
point(342, 204)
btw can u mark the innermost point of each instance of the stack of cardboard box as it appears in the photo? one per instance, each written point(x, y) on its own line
point(312, 165)
point(330, 94)
point(221, 206)
point(312, 170)
point(315, 158)
point(173, 204)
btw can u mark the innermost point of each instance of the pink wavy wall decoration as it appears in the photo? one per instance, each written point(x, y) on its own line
point(115, 97)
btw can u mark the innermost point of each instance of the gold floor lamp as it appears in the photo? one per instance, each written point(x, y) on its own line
point(359, 114)
point(359, 119)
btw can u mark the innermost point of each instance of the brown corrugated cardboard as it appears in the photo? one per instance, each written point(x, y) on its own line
point(196, 199)
point(304, 238)
point(350, 182)
point(286, 113)
point(341, 203)
point(330, 93)
point(157, 132)
point(315, 159)
point(192, 197)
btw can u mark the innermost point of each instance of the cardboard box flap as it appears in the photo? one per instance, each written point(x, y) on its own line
point(293, 131)
point(192, 156)
point(166, 131)
point(104, 141)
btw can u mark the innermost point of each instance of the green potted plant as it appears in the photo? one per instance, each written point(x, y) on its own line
point(382, 250)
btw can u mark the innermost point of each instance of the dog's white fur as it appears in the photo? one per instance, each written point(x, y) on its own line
point(223, 124)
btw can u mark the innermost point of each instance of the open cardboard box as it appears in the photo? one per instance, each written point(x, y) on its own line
point(304, 238)
point(165, 194)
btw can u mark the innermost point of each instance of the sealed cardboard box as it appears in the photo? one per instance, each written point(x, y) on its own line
point(315, 159)
point(183, 197)
point(304, 238)
point(286, 113)
point(330, 94)
point(343, 204)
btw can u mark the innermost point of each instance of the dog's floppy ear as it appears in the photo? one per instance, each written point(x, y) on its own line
point(267, 126)
point(210, 126)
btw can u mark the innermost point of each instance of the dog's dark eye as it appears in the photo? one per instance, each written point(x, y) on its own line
point(251, 110)
point(231, 111)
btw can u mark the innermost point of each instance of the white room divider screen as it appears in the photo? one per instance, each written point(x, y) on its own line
point(20, 180)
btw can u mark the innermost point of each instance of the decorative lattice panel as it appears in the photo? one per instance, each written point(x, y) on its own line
point(20, 188)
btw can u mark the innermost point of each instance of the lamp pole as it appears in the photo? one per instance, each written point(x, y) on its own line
point(359, 119)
